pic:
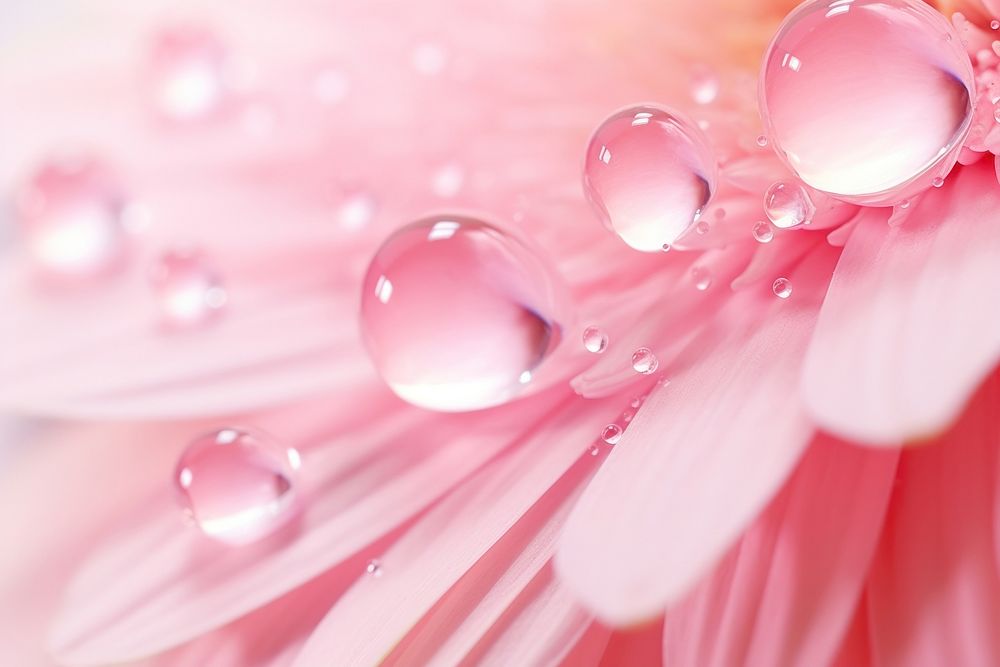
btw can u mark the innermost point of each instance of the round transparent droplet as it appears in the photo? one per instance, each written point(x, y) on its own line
point(704, 84)
point(237, 485)
point(763, 232)
point(188, 288)
point(374, 568)
point(458, 314)
point(995, 24)
point(595, 340)
point(702, 228)
point(762, 140)
point(187, 73)
point(648, 174)
point(867, 99)
point(782, 288)
point(611, 434)
point(788, 205)
point(701, 277)
point(71, 216)
point(937, 182)
point(644, 361)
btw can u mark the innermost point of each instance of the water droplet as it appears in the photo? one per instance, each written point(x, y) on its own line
point(648, 175)
point(864, 100)
point(995, 24)
point(701, 277)
point(636, 402)
point(702, 228)
point(187, 73)
point(996, 114)
point(237, 485)
point(70, 212)
point(904, 204)
point(644, 361)
point(595, 340)
point(763, 232)
point(611, 434)
point(762, 140)
point(374, 568)
point(595, 450)
point(356, 210)
point(704, 84)
point(188, 288)
point(788, 205)
point(937, 182)
point(627, 416)
point(455, 311)
point(666, 247)
point(782, 288)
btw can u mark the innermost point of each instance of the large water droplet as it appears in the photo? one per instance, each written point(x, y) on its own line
point(644, 361)
point(595, 340)
point(70, 213)
point(187, 73)
point(237, 485)
point(457, 314)
point(867, 100)
point(188, 288)
point(648, 175)
point(788, 205)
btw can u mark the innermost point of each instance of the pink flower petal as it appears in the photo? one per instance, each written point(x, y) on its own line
point(934, 592)
point(685, 480)
point(910, 326)
point(856, 649)
point(159, 583)
point(786, 593)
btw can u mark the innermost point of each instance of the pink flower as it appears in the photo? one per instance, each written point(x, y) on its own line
point(755, 499)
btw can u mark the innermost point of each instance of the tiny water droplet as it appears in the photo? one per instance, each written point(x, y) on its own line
point(595, 340)
point(787, 205)
point(188, 288)
point(995, 24)
point(455, 312)
point(648, 174)
point(701, 228)
point(627, 416)
point(595, 450)
point(782, 288)
point(763, 232)
point(704, 84)
point(644, 361)
point(374, 568)
point(762, 140)
point(636, 402)
point(904, 204)
point(701, 277)
point(187, 73)
point(996, 114)
point(611, 434)
point(236, 485)
point(937, 182)
point(666, 247)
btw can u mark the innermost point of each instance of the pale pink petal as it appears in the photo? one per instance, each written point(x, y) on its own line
point(786, 593)
point(702, 457)
point(934, 591)
point(910, 326)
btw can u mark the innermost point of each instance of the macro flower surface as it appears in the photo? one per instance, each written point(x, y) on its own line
point(689, 356)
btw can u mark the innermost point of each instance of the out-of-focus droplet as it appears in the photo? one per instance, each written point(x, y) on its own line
point(788, 205)
point(644, 361)
point(70, 214)
point(763, 232)
point(702, 228)
point(701, 277)
point(447, 180)
point(237, 485)
point(187, 75)
point(595, 340)
point(188, 288)
point(457, 314)
point(648, 174)
point(867, 99)
point(782, 288)
point(595, 450)
point(704, 84)
point(374, 568)
point(611, 434)
point(356, 209)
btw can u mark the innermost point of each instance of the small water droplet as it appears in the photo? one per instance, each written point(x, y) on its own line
point(187, 73)
point(763, 232)
point(595, 340)
point(787, 205)
point(995, 24)
point(666, 247)
point(996, 114)
point(611, 434)
point(762, 140)
point(236, 485)
point(701, 228)
point(374, 568)
point(904, 204)
point(704, 84)
point(636, 402)
point(648, 174)
point(644, 361)
point(595, 450)
point(188, 288)
point(701, 277)
point(937, 182)
point(782, 288)
point(627, 416)
point(455, 311)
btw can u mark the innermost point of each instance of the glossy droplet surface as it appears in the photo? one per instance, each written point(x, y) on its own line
point(374, 568)
point(782, 288)
point(188, 288)
point(187, 74)
point(70, 213)
point(644, 361)
point(648, 174)
point(701, 277)
point(787, 205)
point(763, 232)
point(867, 100)
point(595, 340)
point(611, 434)
point(237, 485)
point(457, 314)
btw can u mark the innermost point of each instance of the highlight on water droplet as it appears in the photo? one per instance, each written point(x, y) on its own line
point(70, 212)
point(702, 228)
point(788, 205)
point(782, 288)
point(704, 84)
point(457, 314)
point(237, 485)
point(762, 140)
point(763, 232)
point(356, 209)
point(648, 174)
point(867, 100)
point(374, 568)
point(995, 24)
point(644, 361)
point(188, 288)
point(595, 340)
point(187, 73)
point(701, 277)
point(937, 182)
point(611, 434)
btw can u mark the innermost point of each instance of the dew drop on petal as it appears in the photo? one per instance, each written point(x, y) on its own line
point(995, 24)
point(704, 84)
point(702, 228)
point(374, 568)
point(904, 204)
point(237, 485)
point(595, 450)
point(763, 232)
point(648, 174)
point(611, 434)
point(595, 340)
point(867, 99)
point(996, 114)
point(762, 140)
point(457, 314)
point(701, 277)
point(937, 182)
point(782, 288)
point(188, 288)
point(70, 213)
point(644, 361)
point(187, 74)
point(788, 205)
